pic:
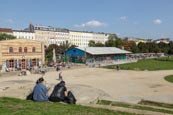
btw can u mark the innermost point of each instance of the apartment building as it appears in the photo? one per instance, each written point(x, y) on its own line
point(100, 37)
point(24, 34)
point(49, 35)
point(6, 31)
point(80, 38)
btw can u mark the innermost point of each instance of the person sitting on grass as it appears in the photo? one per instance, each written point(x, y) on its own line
point(40, 91)
point(59, 93)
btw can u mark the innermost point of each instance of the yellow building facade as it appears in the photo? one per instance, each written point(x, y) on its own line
point(21, 54)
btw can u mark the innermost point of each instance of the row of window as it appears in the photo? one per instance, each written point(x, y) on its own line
point(20, 49)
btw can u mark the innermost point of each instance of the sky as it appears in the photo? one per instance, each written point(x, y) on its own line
point(149, 19)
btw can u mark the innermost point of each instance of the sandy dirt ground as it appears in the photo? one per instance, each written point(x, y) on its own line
point(91, 84)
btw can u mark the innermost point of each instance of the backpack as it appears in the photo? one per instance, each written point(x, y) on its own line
point(29, 96)
point(71, 98)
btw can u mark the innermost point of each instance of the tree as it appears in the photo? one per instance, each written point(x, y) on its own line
point(114, 41)
point(99, 44)
point(152, 47)
point(130, 46)
point(119, 43)
point(49, 52)
point(164, 48)
point(92, 43)
point(170, 48)
point(143, 48)
point(65, 46)
point(111, 40)
point(5, 36)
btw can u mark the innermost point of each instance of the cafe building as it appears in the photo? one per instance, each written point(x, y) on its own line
point(21, 54)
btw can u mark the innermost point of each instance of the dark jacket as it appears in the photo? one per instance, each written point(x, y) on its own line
point(58, 93)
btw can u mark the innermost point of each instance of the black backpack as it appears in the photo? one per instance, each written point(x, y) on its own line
point(71, 98)
point(29, 96)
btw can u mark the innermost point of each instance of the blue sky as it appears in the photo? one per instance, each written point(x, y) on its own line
point(132, 18)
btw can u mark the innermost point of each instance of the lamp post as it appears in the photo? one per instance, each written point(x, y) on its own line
point(85, 55)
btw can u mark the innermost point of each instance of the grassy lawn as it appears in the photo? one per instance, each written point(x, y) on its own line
point(11, 106)
point(169, 78)
point(147, 64)
point(119, 104)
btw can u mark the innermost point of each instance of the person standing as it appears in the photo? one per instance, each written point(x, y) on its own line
point(117, 67)
point(60, 76)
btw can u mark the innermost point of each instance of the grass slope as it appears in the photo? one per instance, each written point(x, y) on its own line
point(147, 64)
point(11, 106)
point(169, 78)
point(120, 104)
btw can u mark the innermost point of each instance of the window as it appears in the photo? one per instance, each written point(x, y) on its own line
point(25, 49)
point(20, 49)
point(10, 49)
point(11, 63)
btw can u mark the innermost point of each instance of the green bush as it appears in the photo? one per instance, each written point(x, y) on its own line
point(169, 78)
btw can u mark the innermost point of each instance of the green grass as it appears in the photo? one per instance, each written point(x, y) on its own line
point(158, 104)
point(147, 64)
point(11, 106)
point(169, 78)
point(119, 104)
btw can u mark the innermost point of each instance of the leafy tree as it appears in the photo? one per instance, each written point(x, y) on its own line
point(111, 41)
point(65, 46)
point(49, 52)
point(143, 48)
point(152, 47)
point(5, 36)
point(92, 43)
point(164, 48)
point(130, 46)
point(114, 41)
point(119, 43)
point(170, 51)
point(99, 44)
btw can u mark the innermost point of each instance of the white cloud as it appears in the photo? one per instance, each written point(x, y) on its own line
point(157, 21)
point(123, 18)
point(92, 23)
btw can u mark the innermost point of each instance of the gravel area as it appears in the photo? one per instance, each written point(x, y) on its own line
point(91, 84)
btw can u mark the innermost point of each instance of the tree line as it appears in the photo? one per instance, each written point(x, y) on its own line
point(148, 47)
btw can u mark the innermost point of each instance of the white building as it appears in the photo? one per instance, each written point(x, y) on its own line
point(100, 37)
point(62, 36)
point(24, 34)
point(81, 39)
point(51, 35)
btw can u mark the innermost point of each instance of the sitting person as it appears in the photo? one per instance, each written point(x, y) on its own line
point(40, 91)
point(59, 93)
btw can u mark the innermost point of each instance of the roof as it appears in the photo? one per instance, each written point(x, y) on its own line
point(22, 31)
point(6, 30)
point(20, 40)
point(103, 50)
